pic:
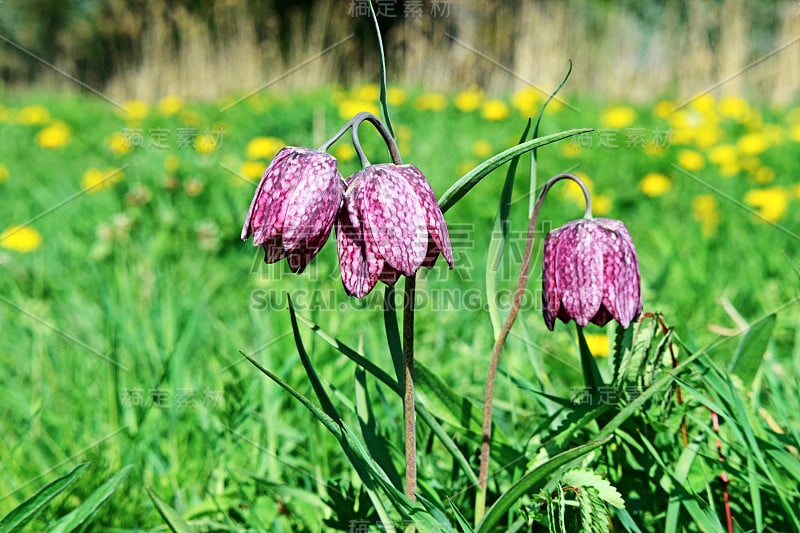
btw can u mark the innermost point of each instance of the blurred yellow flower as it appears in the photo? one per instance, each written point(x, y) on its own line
point(571, 149)
point(430, 102)
point(654, 149)
point(494, 110)
point(764, 175)
point(727, 170)
point(723, 154)
point(601, 204)
point(618, 116)
point(752, 143)
point(169, 105)
point(119, 143)
point(20, 239)
point(554, 106)
point(206, 143)
point(171, 163)
point(252, 170)
point(370, 92)
point(33, 115)
point(773, 134)
point(395, 96)
point(796, 190)
point(95, 180)
point(655, 184)
point(794, 133)
point(263, 147)
point(704, 209)
point(344, 152)
point(403, 132)
point(56, 135)
point(3, 173)
point(691, 160)
point(527, 101)
point(771, 202)
point(189, 118)
point(707, 136)
point(704, 104)
point(663, 108)
point(348, 108)
point(481, 148)
point(137, 109)
point(468, 100)
point(793, 116)
point(750, 163)
point(598, 344)
point(734, 107)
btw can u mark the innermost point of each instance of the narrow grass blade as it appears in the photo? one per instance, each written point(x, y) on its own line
point(171, 517)
point(531, 482)
point(393, 336)
point(27, 510)
point(591, 374)
point(384, 106)
point(376, 444)
point(748, 356)
point(474, 176)
point(89, 507)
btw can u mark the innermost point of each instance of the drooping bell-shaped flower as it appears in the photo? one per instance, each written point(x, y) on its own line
point(590, 274)
point(391, 224)
point(295, 205)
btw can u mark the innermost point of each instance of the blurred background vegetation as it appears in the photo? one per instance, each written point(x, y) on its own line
point(195, 49)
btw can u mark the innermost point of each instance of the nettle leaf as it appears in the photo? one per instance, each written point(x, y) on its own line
point(583, 478)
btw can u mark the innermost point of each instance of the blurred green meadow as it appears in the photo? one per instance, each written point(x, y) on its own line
point(126, 293)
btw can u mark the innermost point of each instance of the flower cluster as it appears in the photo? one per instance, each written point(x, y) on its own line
point(387, 219)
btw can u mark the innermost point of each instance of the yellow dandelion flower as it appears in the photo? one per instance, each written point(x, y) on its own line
point(468, 100)
point(704, 209)
point(707, 136)
point(752, 143)
point(734, 107)
point(170, 105)
point(3, 173)
point(663, 108)
point(119, 143)
point(729, 169)
point(527, 101)
point(33, 115)
point(554, 106)
point(704, 104)
point(601, 204)
point(723, 154)
point(395, 96)
point(571, 149)
point(764, 175)
point(21, 239)
point(264, 147)
point(137, 109)
point(252, 170)
point(56, 135)
point(794, 133)
point(771, 203)
point(430, 102)
point(95, 180)
point(481, 148)
point(349, 108)
point(370, 92)
point(654, 149)
point(691, 160)
point(206, 143)
point(773, 134)
point(189, 118)
point(618, 116)
point(494, 110)
point(171, 163)
point(655, 184)
point(344, 152)
point(750, 164)
point(598, 344)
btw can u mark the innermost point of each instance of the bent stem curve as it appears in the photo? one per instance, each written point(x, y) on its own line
point(519, 292)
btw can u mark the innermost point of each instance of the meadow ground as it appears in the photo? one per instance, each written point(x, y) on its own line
point(126, 294)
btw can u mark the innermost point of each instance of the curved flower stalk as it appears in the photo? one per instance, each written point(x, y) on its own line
point(294, 206)
point(391, 224)
point(590, 274)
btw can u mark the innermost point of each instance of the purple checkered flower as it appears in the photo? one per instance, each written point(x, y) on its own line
point(591, 274)
point(391, 224)
point(294, 206)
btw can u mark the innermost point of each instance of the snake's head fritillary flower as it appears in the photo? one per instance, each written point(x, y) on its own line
point(294, 206)
point(590, 274)
point(391, 224)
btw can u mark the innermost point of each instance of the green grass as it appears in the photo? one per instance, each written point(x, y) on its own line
point(152, 302)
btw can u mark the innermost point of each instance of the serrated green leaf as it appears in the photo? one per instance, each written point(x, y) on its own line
point(171, 517)
point(89, 507)
point(27, 510)
point(474, 176)
point(583, 477)
point(750, 353)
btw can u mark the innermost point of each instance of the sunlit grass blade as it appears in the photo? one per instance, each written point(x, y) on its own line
point(474, 176)
point(531, 482)
point(376, 444)
point(27, 510)
point(393, 335)
point(384, 106)
point(171, 517)
point(591, 374)
point(750, 353)
point(89, 507)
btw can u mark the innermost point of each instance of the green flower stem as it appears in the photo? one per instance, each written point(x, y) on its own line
point(483, 473)
point(408, 389)
point(354, 123)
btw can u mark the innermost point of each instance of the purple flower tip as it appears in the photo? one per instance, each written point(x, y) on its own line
point(391, 224)
point(294, 206)
point(590, 274)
